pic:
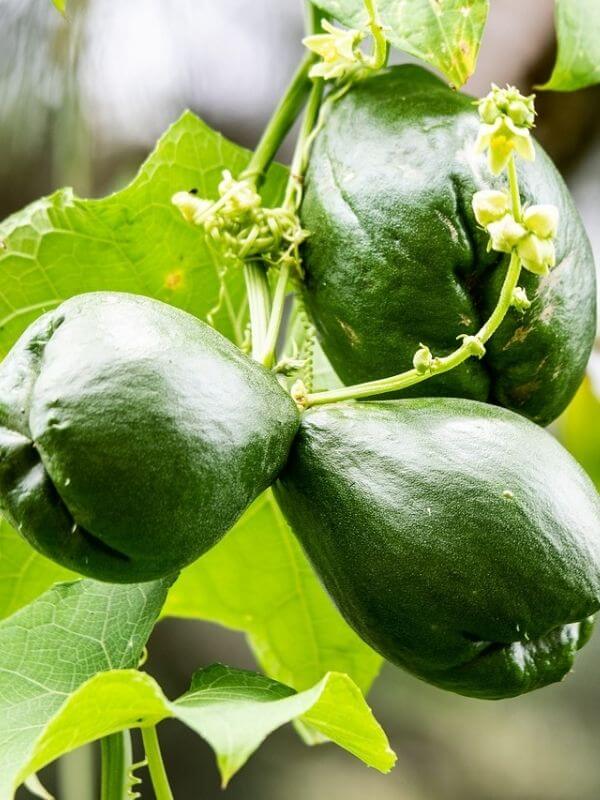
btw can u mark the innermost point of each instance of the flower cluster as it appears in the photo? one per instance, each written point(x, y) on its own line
point(239, 225)
point(532, 237)
point(507, 117)
point(338, 50)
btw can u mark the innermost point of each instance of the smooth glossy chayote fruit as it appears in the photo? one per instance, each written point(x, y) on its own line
point(133, 436)
point(461, 541)
point(395, 256)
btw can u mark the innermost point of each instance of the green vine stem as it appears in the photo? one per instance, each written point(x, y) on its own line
point(293, 198)
point(158, 774)
point(471, 345)
point(284, 116)
point(280, 123)
point(116, 763)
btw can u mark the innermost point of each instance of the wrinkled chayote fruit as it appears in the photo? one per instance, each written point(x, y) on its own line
point(132, 436)
point(395, 256)
point(461, 541)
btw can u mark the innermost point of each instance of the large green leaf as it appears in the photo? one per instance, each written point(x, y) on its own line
point(444, 33)
point(133, 241)
point(258, 580)
point(578, 32)
point(24, 573)
point(233, 710)
point(49, 649)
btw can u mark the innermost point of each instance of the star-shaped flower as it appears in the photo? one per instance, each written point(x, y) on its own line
point(338, 49)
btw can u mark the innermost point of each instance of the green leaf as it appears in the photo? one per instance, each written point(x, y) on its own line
point(578, 32)
point(444, 33)
point(53, 646)
point(61, 5)
point(233, 710)
point(132, 241)
point(24, 573)
point(258, 580)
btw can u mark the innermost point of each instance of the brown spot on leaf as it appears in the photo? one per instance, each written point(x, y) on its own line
point(174, 280)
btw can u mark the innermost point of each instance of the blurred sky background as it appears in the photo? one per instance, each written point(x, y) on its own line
point(82, 102)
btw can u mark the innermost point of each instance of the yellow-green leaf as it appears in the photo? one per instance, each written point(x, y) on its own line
point(233, 710)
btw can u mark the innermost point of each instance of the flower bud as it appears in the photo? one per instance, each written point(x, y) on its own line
point(299, 394)
point(240, 195)
point(489, 206)
point(423, 360)
point(521, 114)
point(505, 234)
point(192, 208)
point(538, 255)
point(474, 343)
point(519, 300)
point(506, 117)
point(488, 110)
point(541, 220)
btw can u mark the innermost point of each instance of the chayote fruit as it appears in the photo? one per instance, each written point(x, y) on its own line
point(395, 256)
point(132, 436)
point(458, 539)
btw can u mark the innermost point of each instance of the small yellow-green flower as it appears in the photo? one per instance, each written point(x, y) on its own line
point(541, 220)
point(501, 139)
point(505, 234)
point(489, 206)
point(519, 300)
point(192, 208)
point(338, 50)
point(238, 196)
point(536, 250)
point(506, 118)
point(508, 102)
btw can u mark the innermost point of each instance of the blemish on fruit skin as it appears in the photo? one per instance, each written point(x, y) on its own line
point(518, 336)
point(350, 333)
point(174, 279)
point(507, 494)
point(547, 313)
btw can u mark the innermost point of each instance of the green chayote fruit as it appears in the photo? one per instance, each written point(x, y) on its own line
point(132, 436)
point(395, 256)
point(461, 541)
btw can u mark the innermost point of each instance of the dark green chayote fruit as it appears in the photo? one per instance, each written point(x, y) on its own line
point(395, 256)
point(459, 540)
point(132, 436)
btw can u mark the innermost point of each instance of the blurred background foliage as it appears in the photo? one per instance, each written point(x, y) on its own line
point(83, 100)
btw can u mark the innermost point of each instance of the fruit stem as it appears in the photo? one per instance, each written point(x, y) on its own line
point(472, 345)
point(259, 304)
point(116, 763)
point(158, 775)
